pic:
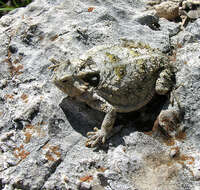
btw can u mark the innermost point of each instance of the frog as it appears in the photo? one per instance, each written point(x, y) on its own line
point(115, 78)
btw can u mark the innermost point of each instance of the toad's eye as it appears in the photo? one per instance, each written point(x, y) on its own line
point(92, 78)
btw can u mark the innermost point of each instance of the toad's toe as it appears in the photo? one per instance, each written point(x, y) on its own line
point(95, 137)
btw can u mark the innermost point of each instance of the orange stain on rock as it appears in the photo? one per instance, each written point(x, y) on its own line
point(24, 96)
point(169, 142)
point(19, 152)
point(54, 150)
point(90, 9)
point(101, 169)
point(9, 96)
point(181, 136)
point(27, 137)
point(49, 157)
point(87, 178)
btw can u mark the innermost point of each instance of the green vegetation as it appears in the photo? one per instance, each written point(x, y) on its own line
point(9, 5)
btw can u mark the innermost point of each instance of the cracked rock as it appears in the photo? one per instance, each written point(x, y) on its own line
point(43, 132)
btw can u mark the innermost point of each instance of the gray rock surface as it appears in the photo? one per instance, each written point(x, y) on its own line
point(42, 135)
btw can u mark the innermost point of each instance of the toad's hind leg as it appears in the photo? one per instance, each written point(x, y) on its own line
point(105, 131)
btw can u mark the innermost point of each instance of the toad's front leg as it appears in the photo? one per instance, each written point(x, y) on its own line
point(105, 131)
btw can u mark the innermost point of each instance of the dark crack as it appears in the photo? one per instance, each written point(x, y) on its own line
point(52, 169)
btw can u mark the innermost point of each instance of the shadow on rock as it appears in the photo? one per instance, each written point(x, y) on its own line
point(83, 119)
point(80, 116)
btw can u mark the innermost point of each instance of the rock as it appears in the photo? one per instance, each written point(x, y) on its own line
point(84, 186)
point(168, 10)
point(3, 83)
point(42, 133)
point(170, 27)
point(174, 152)
point(196, 173)
point(148, 18)
point(193, 28)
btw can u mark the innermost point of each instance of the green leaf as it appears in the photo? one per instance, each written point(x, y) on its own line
point(7, 9)
point(16, 4)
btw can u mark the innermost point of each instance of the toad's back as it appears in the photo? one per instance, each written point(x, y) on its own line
point(127, 74)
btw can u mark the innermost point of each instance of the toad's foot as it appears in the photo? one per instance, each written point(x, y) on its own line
point(98, 136)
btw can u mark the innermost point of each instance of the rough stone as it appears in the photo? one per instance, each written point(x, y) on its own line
point(168, 10)
point(42, 134)
point(171, 28)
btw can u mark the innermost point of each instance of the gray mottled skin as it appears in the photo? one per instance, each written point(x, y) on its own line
point(118, 78)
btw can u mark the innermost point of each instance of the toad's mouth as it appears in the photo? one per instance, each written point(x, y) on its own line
point(72, 89)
